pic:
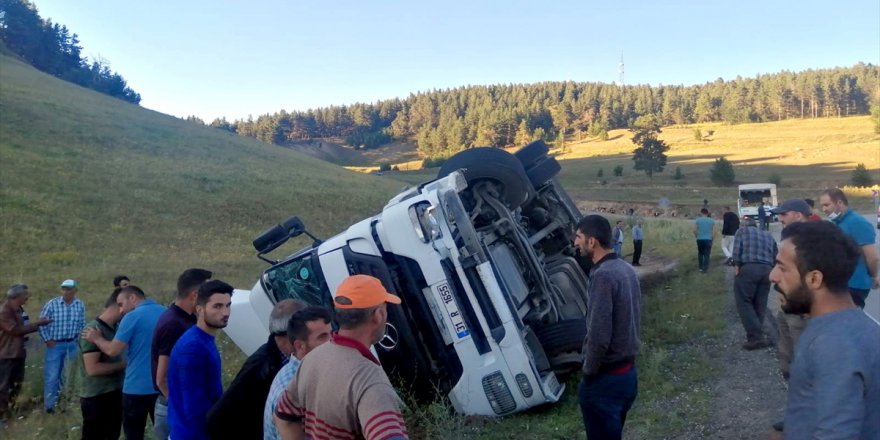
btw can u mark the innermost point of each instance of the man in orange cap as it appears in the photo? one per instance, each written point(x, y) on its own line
point(341, 385)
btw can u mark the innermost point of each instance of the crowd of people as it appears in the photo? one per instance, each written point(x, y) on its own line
point(144, 361)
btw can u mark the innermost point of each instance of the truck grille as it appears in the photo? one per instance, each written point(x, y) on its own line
point(498, 393)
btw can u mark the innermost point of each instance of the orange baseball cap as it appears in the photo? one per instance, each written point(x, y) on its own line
point(362, 292)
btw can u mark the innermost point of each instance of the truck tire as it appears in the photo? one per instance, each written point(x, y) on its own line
point(562, 337)
point(543, 171)
point(487, 163)
point(532, 153)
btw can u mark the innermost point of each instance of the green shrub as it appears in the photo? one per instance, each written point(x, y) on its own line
point(861, 177)
point(722, 173)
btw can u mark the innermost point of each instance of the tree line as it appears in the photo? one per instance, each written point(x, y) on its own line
point(445, 121)
point(54, 49)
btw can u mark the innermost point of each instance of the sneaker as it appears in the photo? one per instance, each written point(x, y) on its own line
point(756, 345)
point(778, 426)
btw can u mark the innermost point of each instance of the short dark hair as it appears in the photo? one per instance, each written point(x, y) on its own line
point(810, 202)
point(297, 326)
point(190, 279)
point(118, 279)
point(353, 318)
point(597, 227)
point(134, 290)
point(836, 195)
point(824, 247)
point(704, 211)
point(111, 300)
point(210, 288)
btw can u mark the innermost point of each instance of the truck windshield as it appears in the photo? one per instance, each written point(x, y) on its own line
point(299, 278)
point(753, 197)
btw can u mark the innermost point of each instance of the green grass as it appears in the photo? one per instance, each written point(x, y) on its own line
point(92, 187)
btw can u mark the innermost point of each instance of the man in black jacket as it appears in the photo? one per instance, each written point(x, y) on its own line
point(239, 412)
point(728, 230)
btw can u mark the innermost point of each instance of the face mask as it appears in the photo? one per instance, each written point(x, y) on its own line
point(833, 215)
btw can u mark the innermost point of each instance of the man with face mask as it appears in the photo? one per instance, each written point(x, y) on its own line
point(834, 389)
point(867, 273)
point(340, 387)
point(610, 380)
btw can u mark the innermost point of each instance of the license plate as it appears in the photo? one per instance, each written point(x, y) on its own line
point(455, 317)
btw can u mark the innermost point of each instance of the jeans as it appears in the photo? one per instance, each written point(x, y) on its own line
point(11, 377)
point(57, 357)
point(637, 252)
point(135, 409)
point(160, 419)
point(618, 249)
point(704, 250)
point(102, 416)
point(604, 400)
point(751, 287)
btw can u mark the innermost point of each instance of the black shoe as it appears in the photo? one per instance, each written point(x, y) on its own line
point(636, 264)
point(756, 345)
point(778, 426)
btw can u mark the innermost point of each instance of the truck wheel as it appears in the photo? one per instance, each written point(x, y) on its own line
point(561, 337)
point(487, 163)
point(531, 153)
point(543, 171)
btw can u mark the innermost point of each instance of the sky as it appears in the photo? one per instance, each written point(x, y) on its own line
point(227, 58)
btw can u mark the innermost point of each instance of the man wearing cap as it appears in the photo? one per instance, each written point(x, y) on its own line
point(12, 351)
point(68, 316)
point(754, 252)
point(340, 385)
point(792, 211)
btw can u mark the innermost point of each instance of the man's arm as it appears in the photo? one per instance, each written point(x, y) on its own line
point(289, 430)
point(599, 327)
point(839, 389)
point(10, 325)
point(110, 348)
point(94, 366)
point(872, 261)
point(288, 417)
point(162, 374)
point(46, 313)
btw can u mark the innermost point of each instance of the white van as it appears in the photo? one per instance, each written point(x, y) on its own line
point(752, 194)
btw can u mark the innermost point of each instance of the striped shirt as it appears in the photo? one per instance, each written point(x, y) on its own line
point(752, 245)
point(341, 392)
point(279, 384)
point(68, 320)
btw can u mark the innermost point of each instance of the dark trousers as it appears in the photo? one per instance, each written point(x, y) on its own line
point(637, 251)
point(859, 296)
point(11, 377)
point(750, 288)
point(605, 399)
point(704, 249)
point(135, 409)
point(102, 416)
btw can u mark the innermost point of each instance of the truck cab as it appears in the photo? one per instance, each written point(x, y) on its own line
point(750, 197)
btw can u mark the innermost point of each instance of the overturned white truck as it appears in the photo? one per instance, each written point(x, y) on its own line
point(494, 298)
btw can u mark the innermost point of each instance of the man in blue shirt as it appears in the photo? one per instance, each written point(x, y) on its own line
point(836, 206)
point(194, 382)
point(704, 231)
point(68, 317)
point(834, 389)
point(135, 337)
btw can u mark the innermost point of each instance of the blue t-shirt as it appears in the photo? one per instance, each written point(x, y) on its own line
point(861, 231)
point(704, 228)
point(194, 384)
point(136, 330)
point(834, 390)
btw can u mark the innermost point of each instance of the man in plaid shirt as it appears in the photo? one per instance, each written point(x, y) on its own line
point(68, 315)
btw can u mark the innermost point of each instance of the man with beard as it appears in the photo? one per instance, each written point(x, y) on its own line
point(340, 390)
point(610, 381)
point(194, 380)
point(834, 389)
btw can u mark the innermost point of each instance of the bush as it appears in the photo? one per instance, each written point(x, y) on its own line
point(384, 167)
point(603, 135)
point(678, 174)
point(775, 179)
point(722, 173)
point(600, 173)
point(618, 170)
point(861, 177)
point(395, 168)
point(698, 135)
point(433, 162)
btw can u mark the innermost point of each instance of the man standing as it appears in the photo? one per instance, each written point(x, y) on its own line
point(134, 336)
point(176, 320)
point(239, 412)
point(754, 252)
point(307, 329)
point(194, 381)
point(340, 386)
point(729, 226)
point(638, 238)
point(610, 382)
point(763, 220)
point(834, 390)
point(618, 238)
point(835, 204)
point(12, 351)
point(100, 394)
point(704, 232)
point(68, 316)
point(813, 216)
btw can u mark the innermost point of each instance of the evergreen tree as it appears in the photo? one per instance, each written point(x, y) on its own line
point(861, 177)
point(721, 173)
point(650, 156)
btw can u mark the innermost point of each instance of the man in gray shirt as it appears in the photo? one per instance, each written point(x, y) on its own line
point(834, 388)
point(610, 381)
